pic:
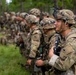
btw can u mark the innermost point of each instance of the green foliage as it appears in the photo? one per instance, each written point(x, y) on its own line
point(25, 5)
point(28, 4)
point(2, 6)
point(59, 3)
point(68, 3)
point(9, 59)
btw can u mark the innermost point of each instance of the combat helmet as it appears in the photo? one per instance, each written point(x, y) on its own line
point(35, 12)
point(45, 14)
point(18, 14)
point(48, 23)
point(12, 13)
point(23, 14)
point(75, 17)
point(31, 19)
point(66, 15)
point(5, 13)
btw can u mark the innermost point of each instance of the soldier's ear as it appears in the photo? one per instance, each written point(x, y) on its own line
point(66, 24)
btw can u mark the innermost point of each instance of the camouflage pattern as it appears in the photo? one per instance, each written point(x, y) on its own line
point(45, 14)
point(64, 64)
point(75, 18)
point(74, 26)
point(48, 23)
point(27, 43)
point(18, 14)
point(12, 13)
point(23, 14)
point(12, 19)
point(49, 39)
point(31, 19)
point(6, 16)
point(66, 15)
point(35, 42)
point(35, 12)
point(66, 61)
point(35, 39)
point(20, 41)
point(35, 35)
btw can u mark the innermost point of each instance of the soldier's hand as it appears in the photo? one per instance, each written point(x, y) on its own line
point(51, 52)
point(29, 61)
point(39, 63)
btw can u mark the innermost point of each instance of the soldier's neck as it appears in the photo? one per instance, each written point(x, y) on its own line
point(64, 33)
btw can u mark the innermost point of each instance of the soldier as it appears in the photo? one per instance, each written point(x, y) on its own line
point(24, 30)
point(35, 39)
point(12, 17)
point(23, 15)
point(48, 29)
point(6, 19)
point(6, 15)
point(65, 62)
point(36, 12)
point(45, 14)
point(11, 23)
point(49, 38)
point(23, 21)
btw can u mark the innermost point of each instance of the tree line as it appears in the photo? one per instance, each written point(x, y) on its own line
point(44, 5)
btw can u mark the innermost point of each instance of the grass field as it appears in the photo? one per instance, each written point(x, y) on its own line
point(9, 59)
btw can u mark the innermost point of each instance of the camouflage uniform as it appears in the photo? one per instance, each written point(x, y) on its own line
point(65, 62)
point(5, 18)
point(23, 21)
point(74, 26)
point(35, 12)
point(48, 24)
point(23, 34)
point(45, 14)
point(35, 40)
point(12, 17)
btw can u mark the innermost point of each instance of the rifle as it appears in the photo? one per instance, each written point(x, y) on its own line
point(57, 48)
point(43, 51)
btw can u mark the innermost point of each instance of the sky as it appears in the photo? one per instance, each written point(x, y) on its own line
point(8, 1)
